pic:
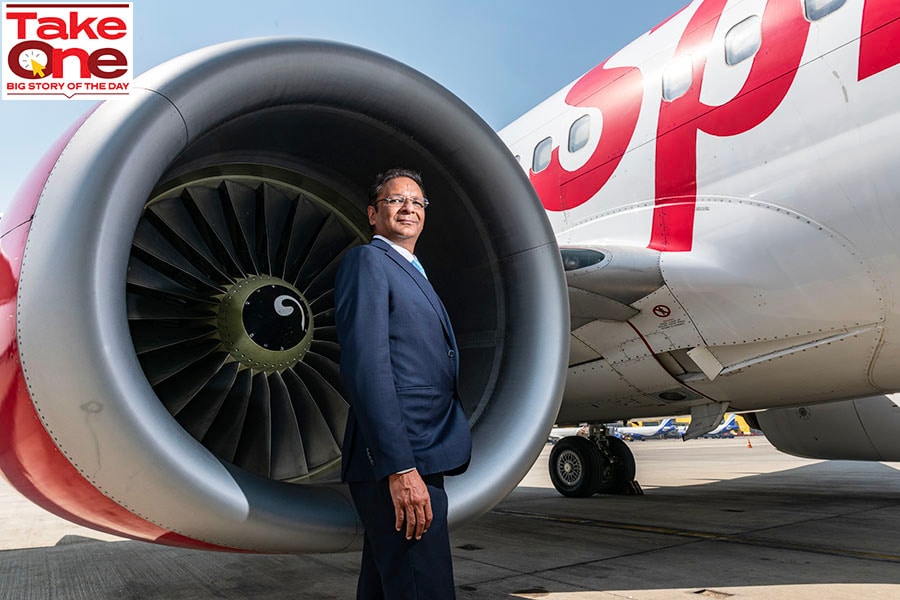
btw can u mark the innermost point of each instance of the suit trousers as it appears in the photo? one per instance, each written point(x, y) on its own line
point(394, 568)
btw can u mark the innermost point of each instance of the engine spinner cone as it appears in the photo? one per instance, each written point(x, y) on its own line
point(265, 323)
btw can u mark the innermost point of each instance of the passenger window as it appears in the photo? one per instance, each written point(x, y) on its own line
point(743, 40)
point(579, 133)
point(677, 77)
point(816, 9)
point(542, 154)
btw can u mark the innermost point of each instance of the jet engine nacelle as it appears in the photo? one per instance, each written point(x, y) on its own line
point(861, 429)
point(171, 373)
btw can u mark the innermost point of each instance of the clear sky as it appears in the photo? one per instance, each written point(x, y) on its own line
point(502, 57)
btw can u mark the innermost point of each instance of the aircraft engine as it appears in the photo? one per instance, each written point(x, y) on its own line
point(171, 366)
point(861, 429)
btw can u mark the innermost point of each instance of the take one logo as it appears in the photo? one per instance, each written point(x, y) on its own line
point(57, 51)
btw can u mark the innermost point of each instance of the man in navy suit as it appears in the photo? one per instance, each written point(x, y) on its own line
point(406, 428)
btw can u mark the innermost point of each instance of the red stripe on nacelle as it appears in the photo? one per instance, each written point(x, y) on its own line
point(29, 459)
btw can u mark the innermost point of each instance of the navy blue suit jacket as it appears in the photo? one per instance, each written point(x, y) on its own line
point(399, 366)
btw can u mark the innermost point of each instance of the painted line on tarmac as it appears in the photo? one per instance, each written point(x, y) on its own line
point(705, 535)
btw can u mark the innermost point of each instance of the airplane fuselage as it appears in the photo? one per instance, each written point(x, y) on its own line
point(747, 148)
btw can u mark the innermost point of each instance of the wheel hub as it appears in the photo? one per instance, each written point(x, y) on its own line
point(569, 467)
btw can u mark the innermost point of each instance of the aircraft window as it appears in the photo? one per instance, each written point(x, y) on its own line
point(816, 9)
point(677, 77)
point(743, 40)
point(574, 259)
point(542, 154)
point(579, 133)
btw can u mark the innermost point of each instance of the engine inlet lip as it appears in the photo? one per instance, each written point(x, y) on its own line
point(128, 447)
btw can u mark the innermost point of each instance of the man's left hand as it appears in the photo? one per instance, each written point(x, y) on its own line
point(412, 503)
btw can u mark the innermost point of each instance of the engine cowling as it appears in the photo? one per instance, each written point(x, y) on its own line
point(172, 371)
point(860, 429)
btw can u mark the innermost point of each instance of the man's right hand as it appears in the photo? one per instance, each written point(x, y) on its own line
point(412, 503)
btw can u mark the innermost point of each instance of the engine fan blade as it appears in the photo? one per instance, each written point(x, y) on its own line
point(320, 445)
point(277, 209)
point(330, 241)
point(308, 221)
point(330, 402)
point(198, 416)
point(172, 219)
point(288, 455)
point(254, 451)
point(152, 335)
point(141, 275)
point(159, 252)
point(206, 206)
point(160, 365)
point(323, 281)
point(225, 431)
point(178, 390)
point(243, 204)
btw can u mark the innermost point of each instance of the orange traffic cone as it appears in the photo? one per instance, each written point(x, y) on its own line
point(749, 445)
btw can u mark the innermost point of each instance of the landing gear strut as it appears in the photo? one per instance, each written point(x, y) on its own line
point(600, 463)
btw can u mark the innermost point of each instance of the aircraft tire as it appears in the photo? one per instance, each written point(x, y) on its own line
point(575, 465)
point(614, 476)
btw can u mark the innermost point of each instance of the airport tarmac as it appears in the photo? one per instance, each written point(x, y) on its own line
point(717, 520)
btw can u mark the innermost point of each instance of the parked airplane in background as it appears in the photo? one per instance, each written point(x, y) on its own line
point(648, 430)
point(729, 428)
point(723, 192)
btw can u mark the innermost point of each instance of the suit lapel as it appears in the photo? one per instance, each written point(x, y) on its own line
point(423, 284)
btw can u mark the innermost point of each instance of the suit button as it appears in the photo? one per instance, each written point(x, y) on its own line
point(451, 354)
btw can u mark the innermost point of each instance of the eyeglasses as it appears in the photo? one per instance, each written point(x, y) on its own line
point(399, 201)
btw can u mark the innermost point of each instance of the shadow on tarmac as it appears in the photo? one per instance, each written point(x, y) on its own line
point(824, 523)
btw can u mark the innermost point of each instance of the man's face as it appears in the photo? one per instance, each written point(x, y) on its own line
point(400, 224)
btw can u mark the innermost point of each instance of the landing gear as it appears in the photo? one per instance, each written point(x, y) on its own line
point(600, 463)
point(618, 469)
point(575, 467)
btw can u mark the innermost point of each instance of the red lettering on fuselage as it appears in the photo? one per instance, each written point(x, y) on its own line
point(784, 33)
point(878, 48)
point(617, 93)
